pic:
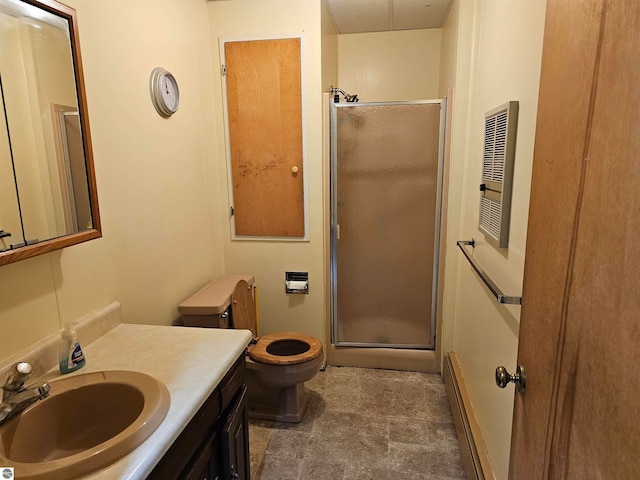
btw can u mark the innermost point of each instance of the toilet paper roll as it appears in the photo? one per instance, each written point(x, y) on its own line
point(299, 285)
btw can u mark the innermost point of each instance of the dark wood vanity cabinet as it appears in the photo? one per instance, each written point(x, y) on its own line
point(215, 444)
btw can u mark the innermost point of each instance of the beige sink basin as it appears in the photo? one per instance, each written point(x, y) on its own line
point(88, 422)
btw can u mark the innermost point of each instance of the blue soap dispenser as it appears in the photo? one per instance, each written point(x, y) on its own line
point(71, 356)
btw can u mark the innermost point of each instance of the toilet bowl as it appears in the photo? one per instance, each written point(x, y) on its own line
point(278, 364)
point(276, 388)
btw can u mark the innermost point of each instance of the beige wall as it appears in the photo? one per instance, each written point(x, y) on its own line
point(158, 180)
point(329, 79)
point(329, 49)
point(55, 84)
point(268, 260)
point(505, 38)
point(9, 212)
point(390, 66)
point(457, 35)
point(19, 79)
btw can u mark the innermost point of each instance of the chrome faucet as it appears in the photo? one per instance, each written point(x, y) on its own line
point(15, 396)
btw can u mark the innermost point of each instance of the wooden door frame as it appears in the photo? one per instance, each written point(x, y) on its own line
point(227, 140)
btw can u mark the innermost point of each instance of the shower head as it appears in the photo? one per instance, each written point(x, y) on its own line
point(349, 98)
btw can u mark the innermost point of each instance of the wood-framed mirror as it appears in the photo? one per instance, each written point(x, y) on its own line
point(48, 194)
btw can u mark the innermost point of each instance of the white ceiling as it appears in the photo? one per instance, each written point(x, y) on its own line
point(359, 16)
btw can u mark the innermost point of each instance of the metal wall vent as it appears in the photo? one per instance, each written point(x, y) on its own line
point(500, 128)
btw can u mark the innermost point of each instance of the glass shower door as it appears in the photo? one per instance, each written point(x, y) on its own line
point(385, 200)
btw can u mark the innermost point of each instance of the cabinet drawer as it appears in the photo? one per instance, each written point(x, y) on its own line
point(232, 382)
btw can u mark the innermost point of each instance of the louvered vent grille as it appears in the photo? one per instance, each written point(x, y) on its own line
point(497, 173)
point(494, 148)
point(490, 216)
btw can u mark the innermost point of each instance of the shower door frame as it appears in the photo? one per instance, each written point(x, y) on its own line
point(334, 222)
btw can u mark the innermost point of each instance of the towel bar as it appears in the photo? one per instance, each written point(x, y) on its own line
point(500, 297)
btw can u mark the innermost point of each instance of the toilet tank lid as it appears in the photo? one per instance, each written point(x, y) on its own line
point(214, 297)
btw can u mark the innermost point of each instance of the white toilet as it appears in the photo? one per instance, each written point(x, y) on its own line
point(278, 364)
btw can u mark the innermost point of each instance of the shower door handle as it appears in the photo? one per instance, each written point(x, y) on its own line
point(503, 378)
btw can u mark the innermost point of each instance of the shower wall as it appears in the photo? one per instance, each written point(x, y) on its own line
point(390, 66)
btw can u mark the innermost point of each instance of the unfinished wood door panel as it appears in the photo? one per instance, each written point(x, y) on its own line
point(264, 105)
point(579, 331)
point(597, 431)
point(559, 147)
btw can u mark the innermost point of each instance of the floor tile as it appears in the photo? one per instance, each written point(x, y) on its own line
point(426, 459)
point(327, 470)
point(342, 393)
point(363, 472)
point(288, 443)
point(422, 432)
point(362, 424)
point(279, 468)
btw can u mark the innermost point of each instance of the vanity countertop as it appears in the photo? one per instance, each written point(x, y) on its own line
point(189, 361)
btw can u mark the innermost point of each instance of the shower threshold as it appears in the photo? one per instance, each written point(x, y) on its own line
point(401, 346)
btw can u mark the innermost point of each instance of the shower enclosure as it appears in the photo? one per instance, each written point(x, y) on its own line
point(386, 187)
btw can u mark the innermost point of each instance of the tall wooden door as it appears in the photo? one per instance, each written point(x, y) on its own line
point(264, 109)
point(580, 325)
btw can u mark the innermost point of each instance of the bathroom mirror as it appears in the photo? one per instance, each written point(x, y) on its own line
point(48, 197)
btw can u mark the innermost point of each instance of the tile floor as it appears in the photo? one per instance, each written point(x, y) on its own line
point(362, 424)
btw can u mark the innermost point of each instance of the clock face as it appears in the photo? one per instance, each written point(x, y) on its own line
point(164, 92)
point(169, 92)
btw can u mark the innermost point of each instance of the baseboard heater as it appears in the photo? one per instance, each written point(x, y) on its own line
point(474, 455)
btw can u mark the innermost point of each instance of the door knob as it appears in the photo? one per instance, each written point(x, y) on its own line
point(503, 378)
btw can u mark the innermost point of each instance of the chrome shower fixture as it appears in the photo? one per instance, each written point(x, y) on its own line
point(348, 98)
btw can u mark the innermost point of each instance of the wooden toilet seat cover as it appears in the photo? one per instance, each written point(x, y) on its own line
point(260, 354)
point(244, 317)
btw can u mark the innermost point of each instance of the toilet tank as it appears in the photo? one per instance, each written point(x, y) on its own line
point(209, 306)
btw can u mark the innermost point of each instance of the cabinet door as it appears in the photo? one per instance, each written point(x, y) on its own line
point(264, 116)
point(197, 442)
point(207, 464)
point(235, 440)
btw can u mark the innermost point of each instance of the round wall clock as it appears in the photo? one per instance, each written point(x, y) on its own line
point(165, 95)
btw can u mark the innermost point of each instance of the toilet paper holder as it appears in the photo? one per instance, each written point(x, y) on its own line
point(296, 282)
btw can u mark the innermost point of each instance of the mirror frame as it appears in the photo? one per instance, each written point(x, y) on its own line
point(57, 243)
